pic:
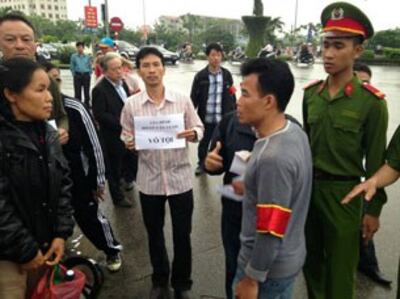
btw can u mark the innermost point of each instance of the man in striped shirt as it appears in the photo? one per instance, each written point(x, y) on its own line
point(164, 175)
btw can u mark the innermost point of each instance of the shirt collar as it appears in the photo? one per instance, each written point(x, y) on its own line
point(167, 97)
point(214, 73)
point(347, 90)
point(116, 85)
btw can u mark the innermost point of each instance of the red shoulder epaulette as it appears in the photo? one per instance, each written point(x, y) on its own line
point(312, 83)
point(379, 94)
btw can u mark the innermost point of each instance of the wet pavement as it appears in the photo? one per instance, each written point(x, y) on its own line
point(134, 279)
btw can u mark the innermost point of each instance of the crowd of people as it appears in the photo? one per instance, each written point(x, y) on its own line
point(296, 203)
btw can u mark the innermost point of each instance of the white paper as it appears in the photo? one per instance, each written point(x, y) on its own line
point(228, 192)
point(239, 162)
point(159, 132)
point(53, 123)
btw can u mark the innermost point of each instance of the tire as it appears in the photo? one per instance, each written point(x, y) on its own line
point(94, 274)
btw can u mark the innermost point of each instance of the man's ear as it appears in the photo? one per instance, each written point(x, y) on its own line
point(358, 50)
point(10, 95)
point(269, 101)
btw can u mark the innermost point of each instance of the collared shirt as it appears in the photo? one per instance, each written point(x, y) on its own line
point(214, 107)
point(80, 63)
point(162, 172)
point(119, 88)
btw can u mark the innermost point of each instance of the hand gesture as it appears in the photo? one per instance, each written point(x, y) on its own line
point(368, 187)
point(55, 252)
point(214, 161)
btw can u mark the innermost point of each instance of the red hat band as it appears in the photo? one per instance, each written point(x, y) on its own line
point(345, 25)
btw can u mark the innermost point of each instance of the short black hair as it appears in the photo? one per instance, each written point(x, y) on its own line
point(214, 46)
point(80, 44)
point(48, 66)
point(358, 40)
point(362, 67)
point(274, 77)
point(145, 51)
point(17, 17)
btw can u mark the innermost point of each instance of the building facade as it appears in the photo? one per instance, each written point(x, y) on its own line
point(50, 9)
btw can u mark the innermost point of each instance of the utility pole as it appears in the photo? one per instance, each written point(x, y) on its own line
point(144, 23)
point(106, 25)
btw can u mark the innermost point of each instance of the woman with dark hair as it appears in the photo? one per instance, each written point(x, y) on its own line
point(35, 210)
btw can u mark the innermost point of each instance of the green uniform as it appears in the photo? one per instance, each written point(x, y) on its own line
point(393, 160)
point(393, 151)
point(343, 131)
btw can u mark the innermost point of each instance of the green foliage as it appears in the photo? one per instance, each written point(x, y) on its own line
point(258, 9)
point(131, 36)
point(256, 28)
point(367, 54)
point(218, 34)
point(386, 38)
point(49, 39)
point(171, 38)
point(392, 53)
point(65, 54)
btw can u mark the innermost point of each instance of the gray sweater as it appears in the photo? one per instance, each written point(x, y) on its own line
point(278, 178)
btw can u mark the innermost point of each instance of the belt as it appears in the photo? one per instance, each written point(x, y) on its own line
point(325, 176)
point(80, 73)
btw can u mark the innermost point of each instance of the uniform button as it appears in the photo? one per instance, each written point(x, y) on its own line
point(50, 210)
point(40, 157)
point(44, 204)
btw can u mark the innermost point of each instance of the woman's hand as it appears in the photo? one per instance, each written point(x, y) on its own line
point(34, 263)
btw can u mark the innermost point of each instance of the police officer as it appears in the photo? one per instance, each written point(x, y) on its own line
point(346, 121)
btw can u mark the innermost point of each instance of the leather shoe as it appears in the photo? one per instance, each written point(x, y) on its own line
point(181, 294)
point(376, 276)
point(159, 293)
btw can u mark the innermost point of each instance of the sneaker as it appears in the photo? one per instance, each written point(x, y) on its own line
point(182, 295)
point(123, 203)
point(199, 171)
point(114, 262)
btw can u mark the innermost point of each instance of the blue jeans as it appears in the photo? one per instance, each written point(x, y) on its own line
point(271, 288)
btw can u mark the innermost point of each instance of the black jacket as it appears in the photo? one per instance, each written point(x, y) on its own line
point(29, 221)
point(83, 150)
point(107, 107)
point(234, 137)
point(199, 93)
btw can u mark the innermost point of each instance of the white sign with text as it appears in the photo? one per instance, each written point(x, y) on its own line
point(159, 132)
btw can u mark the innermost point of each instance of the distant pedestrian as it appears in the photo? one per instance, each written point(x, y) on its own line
point(129, 76)
point(213, 95)
point(81, 68)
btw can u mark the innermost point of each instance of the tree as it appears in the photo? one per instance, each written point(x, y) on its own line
point(191, 23)
point(5, 10)
point(386, 38)
point(217, 34)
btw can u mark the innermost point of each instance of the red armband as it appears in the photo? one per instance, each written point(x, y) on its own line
point(272, 219)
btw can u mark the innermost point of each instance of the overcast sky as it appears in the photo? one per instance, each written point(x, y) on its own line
point(384, 14)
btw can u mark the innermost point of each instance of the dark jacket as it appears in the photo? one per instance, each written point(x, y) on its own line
point(29, 221)
point(83, 150)
point(199, 93)
point(107, 106)
point(234, 137)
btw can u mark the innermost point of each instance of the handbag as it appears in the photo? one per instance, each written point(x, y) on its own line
point(52, 284)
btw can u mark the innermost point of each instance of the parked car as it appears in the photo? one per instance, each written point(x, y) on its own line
point(52, 50)
point(169, 56)
point(126, 49)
